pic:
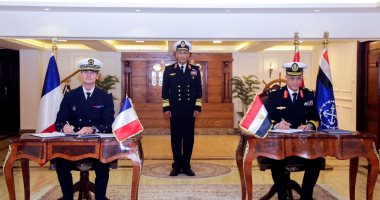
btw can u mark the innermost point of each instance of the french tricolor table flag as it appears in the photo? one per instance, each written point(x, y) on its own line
point(50, 99)
point(126, 124)
point(256, 121)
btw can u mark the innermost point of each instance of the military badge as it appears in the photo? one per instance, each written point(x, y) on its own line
point(194, 72)
point(98, 106)
point(309, 103)
point(74, 108)
point(183, 44)
point(280, 108)
point(295, 67)
point(172, 74)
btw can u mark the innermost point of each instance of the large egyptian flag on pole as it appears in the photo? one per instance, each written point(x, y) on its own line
point(256, 121)
point(50, 99)
point(325, 94)
point(296, 58)
point(126, 124)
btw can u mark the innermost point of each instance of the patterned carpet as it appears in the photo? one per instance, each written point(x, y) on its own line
point(202, 170)
point(184, 192)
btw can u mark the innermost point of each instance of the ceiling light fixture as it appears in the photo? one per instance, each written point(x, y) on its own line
point(140, 41)
point(138, 10)
point(227, 11)
point(46, 9)
point(317, 10)
point(216, 41)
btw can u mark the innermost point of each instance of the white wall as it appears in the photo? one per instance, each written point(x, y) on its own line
point(342, 57)
point(266, 26)
point(33, 64)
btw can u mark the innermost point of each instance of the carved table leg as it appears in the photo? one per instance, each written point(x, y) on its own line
point(26, 177)
point(239, 162)
point(353, 172)
point(8, 172)
point(373, 171)
point(137, 167)
point(248, 172)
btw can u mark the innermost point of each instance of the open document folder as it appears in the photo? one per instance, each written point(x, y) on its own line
point(60, 134)
point(289, 131)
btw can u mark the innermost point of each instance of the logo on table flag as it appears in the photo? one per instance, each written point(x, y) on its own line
point(50, 99)
point(256, 120)
point(126, 124)
point(325, 95)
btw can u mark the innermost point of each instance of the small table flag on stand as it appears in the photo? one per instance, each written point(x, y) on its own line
point(50, 99)
point(126, 124)
point(256, 120)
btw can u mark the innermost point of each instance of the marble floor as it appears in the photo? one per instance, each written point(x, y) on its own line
point(335, 180)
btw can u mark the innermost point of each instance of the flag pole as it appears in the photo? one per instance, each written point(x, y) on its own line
point(296, 40)
point(54, 48)
point(325, 40)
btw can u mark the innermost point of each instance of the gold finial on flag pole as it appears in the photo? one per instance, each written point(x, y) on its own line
point(54, 48)
point(296, 39)
point(325, 39)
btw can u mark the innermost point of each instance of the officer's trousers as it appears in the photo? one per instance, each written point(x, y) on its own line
point(281, 179)
point(182, 141)
point(65, 178)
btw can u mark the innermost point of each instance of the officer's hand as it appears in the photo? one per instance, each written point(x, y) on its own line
point(283, 125)
point(86, 130)
point(196, 113)
point(304, 127)
point(168, 114)
point(68, 129)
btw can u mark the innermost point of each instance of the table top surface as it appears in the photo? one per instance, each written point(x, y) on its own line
point(30, 138)
point(313, 134)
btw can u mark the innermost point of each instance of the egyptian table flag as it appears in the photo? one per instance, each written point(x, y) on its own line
point(256, 121)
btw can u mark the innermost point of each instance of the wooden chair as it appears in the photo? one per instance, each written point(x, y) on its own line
point(293, 164)
point(84, 186)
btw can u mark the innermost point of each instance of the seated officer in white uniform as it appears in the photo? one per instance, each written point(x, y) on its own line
point(85, 110)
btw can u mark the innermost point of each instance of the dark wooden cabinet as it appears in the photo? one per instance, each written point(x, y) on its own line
point(368, 88)
point(9, 92)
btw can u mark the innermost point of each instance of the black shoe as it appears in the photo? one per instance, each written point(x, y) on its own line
point(175, 172)
point(188, 172)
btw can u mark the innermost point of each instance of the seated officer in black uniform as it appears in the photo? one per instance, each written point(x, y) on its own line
point(182, 101)
point(294, 107)
point(85, 110)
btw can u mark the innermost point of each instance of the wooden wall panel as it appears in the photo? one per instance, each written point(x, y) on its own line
point(217, 109)
point(213, 115)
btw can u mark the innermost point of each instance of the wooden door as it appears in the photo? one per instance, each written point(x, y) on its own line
point(368, 90)
point(9, 92)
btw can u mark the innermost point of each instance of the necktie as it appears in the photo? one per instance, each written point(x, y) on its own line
point(182, 69)
point(88, 95)
point(294, 97)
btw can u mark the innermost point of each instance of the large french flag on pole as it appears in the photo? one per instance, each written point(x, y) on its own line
point(325, 95)
point(126, 124)
point(256, 121)
point(50, 99)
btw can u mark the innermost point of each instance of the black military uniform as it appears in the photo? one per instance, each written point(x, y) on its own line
point(280, 106)
point(96, 111)
point(182, 95)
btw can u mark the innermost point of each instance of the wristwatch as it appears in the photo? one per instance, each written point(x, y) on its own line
point(94, 129)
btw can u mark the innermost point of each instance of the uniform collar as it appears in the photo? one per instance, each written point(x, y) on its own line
point(85, 91)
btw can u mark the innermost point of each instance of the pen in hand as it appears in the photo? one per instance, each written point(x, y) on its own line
point(285, 123)
point(70, 128)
